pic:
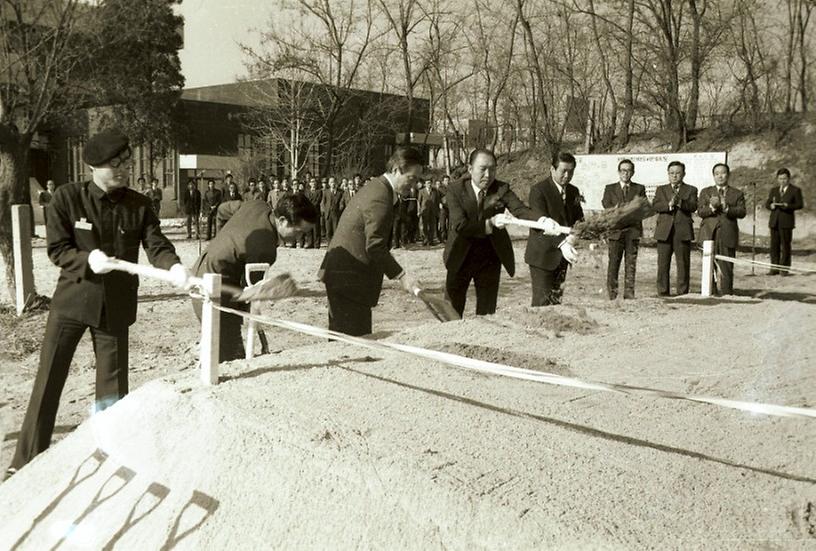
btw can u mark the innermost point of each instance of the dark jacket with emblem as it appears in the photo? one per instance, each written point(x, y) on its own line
point(81, 218)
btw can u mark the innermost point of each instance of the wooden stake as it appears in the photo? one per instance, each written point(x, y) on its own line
point(210, 329)
point(23, 262)
point(249, 269)
point(708, 268)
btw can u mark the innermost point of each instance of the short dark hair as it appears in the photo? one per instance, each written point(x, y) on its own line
point(626, 162)
point(782, 171)
point(211, 182)
point(252, 181)
point(295, 209)
point(563, 157)
point(480, 151)
point(154, 179)
point(676, 163)
point(140, 179)
point(403, 157)
point(727, 168)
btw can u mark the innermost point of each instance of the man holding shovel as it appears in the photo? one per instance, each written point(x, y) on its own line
point(358, 256)
point(251, 235)
point(87, 224)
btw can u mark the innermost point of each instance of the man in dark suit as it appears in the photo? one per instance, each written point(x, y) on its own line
point(155, 196)
point(358, 255)
point(251, 234)
point(191, 207)
point(442, 190)
point(212, 198)
point(625, 240)
point(88, 222)
point(315, 197)
point(674, 202)
point(332, 206)
point(720, 206)
point(428, 212)
point(478, 245)
point(549, 253)
point(783, 201)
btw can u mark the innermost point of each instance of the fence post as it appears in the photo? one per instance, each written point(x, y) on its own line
point(708, 268)
point(249, 271)
point(210, 329)
point(23, 261)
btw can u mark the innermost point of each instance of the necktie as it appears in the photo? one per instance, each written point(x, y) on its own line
point(481, 200)
point(625, 191)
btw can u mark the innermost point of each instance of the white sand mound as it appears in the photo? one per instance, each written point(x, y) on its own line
point(326, 447)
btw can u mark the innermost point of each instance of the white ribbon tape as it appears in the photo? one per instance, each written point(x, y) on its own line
point(518, 373)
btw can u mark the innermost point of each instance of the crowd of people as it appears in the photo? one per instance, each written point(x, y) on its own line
point(421, 215)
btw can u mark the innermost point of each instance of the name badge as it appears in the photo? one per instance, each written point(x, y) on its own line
point(83, 224)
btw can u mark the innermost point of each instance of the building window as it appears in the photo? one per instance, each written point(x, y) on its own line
point(76, 167)
point(245, 146)
point(169, 169)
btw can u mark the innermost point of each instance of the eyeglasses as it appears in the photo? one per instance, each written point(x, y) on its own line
point(120, 159)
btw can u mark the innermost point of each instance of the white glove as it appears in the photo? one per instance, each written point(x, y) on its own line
point(410, 284)
point(551, 227)
point(500, 220)
point(572, 239)
point(181, 276)
point(569, 252)
point(99, 262)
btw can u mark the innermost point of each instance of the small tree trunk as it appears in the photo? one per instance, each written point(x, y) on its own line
point(13, 190)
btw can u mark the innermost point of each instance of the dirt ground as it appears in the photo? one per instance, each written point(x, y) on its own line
point(404, 453)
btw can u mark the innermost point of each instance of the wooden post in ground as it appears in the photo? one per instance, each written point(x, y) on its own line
point(249, 270)
point(708, 268)
point(21, 224)
point(210, 329)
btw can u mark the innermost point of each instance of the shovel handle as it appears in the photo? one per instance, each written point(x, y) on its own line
point(535, 225)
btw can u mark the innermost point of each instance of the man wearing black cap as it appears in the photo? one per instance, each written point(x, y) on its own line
point(87, 223)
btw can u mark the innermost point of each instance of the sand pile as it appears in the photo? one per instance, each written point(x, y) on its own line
point(327, 446)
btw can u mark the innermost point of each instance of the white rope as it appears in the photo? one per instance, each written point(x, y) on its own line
point(765, 264)
point(518, 373)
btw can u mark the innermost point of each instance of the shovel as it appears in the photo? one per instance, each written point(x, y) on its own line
point(439, 306)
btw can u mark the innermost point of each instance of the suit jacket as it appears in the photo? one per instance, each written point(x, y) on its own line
point(358, 254)
point(428, 201)
point(333, 202)
point(315, 198)
point(248, 235)
point(613, 197)
point(212, 198)
point(545, 200)
point(725, 221)
point(191, 203)
point(467, 223)
point(81, 294)
point(678, 217)
point(784, 218)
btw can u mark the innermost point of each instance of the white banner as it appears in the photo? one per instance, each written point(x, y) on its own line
point(594, 172)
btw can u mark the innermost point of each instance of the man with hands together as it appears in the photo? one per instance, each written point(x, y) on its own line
point(89, 223)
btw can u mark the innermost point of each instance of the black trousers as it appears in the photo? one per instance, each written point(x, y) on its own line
point(230, 336)
point(211, 224)
point(428, 227)
point(626, 247)
point(781, 239)
point(442, 225)
point(331, 225)
point(548, 285)
point(481, 266)
point(725, 270)
point(314, 236)
point(62, 334)
point(396, 233)
point(682, 259)
point(192, 219)
point(347, 315)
